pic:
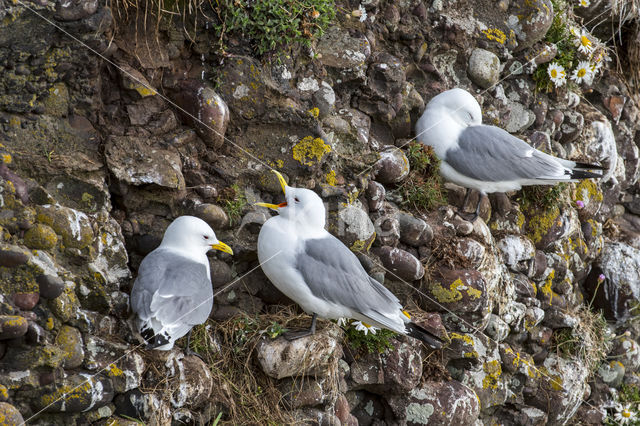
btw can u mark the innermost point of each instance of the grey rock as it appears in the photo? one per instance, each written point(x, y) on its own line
point(191, 380)
point(301, 393)
point(387, 230)
point(375, 195)
point(214, 215)
point(10, 414)
point(69, 340)
point(571, 127)
point(519, 118)
point(517, 252)
point(401, 263)
point(11, 258)
point(483, 68)
point(392, 167)
point(354, 227)
point(74, 394)
point(497, 329)
point(612, 373)
point(324, 99)
point(532, 21)
point(414, 231)
point(620, 264)
point(338, 49)
point(50, 286)
point(315, 354)
point(75, 10)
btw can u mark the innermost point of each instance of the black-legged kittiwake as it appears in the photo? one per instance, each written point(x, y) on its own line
point(173, 291)
point(488, 158)
point(317, 271)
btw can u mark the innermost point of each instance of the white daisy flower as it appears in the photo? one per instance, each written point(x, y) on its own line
point(365, 328)
point(624, 415)
point(582, 73)
point(557, 74)
point(584, 3)
point(583, 41)
point(360, 13)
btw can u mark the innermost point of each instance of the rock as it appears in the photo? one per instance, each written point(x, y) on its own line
point(147, 407)
point(627, 351)
point(413, 231)
point(530, 21)
point(401, 263)
point(50, 286)
point(612, 373)
point(75, 10)
point(123, 367)
point(74, 394)
point(437, 403)
point(546, 227)
point(392, 167)
point(138, 161)
point(201, 101)
point(65, 306)
point(35, 334)
point(191, 380)
point(497, 329)
point(519, 117)
point(301, 393)
point(214, 215)
point(620, 265)
point(69, 340)
point(9, 415)
point(387, 230)
point(324, 99)
point(310, 355)
point(571, 127)
point(72, 225)
point(375, 195)
point(11, 258)
point(483, 68)
point(26, 301)
point(338, 49)
point(517, 252)
point(354, 227)
point(396, 371)
point(462, 291)
point(40, 237)
point(12, 326)
point(254, 219)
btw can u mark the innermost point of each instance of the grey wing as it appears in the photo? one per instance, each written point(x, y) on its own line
point(334, 273)
point(491, 154)
point(172, 288)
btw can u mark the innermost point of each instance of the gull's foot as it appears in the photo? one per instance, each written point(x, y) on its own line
point(469, 217)
point(294, 335)
point(189, 352)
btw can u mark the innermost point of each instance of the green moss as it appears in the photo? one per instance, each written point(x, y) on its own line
point(40, 237)
point(371, 343)
point(423, 188)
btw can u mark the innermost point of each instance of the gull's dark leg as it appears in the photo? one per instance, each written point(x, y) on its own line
point(188, 350)
point(468, 216)
point(293, 335)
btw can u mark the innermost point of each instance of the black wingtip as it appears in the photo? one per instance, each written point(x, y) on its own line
point(417, 332)
point(153, 340)
point(588, 166)
point(584, 174)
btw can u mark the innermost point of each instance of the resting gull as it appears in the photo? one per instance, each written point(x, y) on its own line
point(488, 158)
point(173, 291)
point(317, 271)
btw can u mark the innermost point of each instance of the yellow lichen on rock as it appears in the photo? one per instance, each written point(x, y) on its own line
point(496, 35)
point(309, 150)
point(331, 178)
point(493, 371)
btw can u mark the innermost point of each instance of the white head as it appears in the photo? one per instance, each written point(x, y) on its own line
point(460, 105)
point(302, 206)
point(189, 233)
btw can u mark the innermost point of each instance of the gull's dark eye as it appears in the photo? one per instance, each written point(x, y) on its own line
point(206, 237)
point(296, 199)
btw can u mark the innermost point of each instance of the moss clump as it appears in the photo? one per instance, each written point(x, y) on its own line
point(274, 23)
point(370, 342)
point(422, 189)
point(41, 237)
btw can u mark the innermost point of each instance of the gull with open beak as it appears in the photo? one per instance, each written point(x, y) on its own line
point(317, 271)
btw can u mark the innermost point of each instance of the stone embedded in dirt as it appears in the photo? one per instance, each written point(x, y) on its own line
point(191, 380)
point(483, 68)
point(69, 340)
point(298, 393)
point(392, 167)
point(437, 403)
point(571, 127)
point(214, 215)
point(74, 394)
point(50, 286)
point(532, 21)
point(354, 227)
point(11, 258)
point(402, 264)
point(339, 49)
point(414, 231)
point(10, 414)
point(387, 230)
point(12, 326)
point(375, 195)
point(317, 354)
point(26, 301)
point(517, 251)
point(74, 10)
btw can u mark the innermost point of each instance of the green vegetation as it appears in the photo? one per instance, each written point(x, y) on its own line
point(559, 35)
point(422, 189)
point(233, 202)
point(372, 343)
point(274, 23)
point(629, 393)
point(541, 196)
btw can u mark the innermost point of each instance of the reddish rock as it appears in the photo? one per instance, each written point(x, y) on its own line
point(26, 301)
point(402, 264)
point(12, 326)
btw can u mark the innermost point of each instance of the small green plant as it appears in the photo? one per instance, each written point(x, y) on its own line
point(274, 330)
point(541, 196)
point(422, 189)
point(233, 201)
point(274, 23)
point(372, 343)
point(629, 393)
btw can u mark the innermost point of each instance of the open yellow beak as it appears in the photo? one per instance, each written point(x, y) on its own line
point(222, 247)
point(283, 184)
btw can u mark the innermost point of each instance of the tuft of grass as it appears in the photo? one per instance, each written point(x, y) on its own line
point(541, 196)
point(371, 343)
point(275, 23)
point(588, 342)
point(629, 393)
point(422, 189)
point(233, 202)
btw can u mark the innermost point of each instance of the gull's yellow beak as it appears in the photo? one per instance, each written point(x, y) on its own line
point(283, 184)
point(222, 247)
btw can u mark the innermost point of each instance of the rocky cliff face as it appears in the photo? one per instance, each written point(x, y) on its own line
point(115, 121)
